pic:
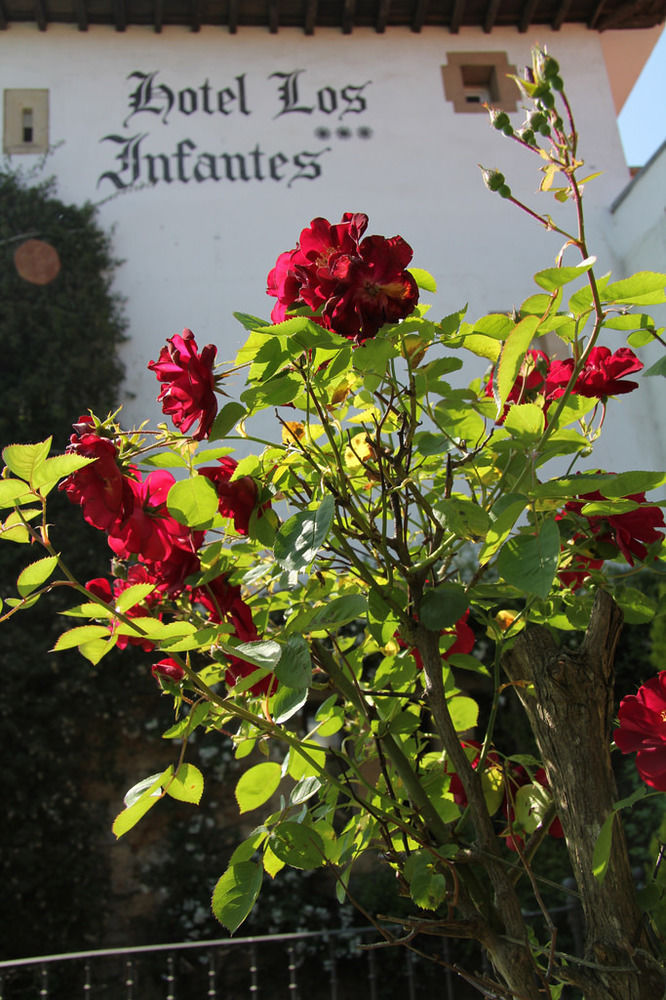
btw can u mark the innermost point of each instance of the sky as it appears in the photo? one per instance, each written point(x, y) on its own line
point(642, 120)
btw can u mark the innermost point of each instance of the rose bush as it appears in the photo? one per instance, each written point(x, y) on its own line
point(336, 601)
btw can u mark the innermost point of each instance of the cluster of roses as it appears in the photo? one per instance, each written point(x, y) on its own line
point(602, 375)
point(155, 548)
point(608, 536)
point(353, 286)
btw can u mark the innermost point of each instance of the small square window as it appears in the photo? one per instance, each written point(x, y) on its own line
point(473, 79)
point(26, 121)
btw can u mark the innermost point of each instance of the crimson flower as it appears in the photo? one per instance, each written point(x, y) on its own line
point(642, 719)
point(629, 533)
point(147, 529)
point(237, 499)
point(188, 390)
point(168, 669)
point(601, 376)
point(354, 285)
point(98, 487)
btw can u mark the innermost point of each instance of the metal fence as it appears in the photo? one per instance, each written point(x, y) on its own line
point(315, 965)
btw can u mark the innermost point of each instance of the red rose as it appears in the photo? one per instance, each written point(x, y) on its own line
point(98, 487)
point(628, 533)
point(354, 287)
point(168, 669)
point(642, 719)
point(601, 375)
point(147, 529)
point(188, 393)
point(237, 498)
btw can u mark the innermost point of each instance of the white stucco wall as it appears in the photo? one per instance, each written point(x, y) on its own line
point(195, 250)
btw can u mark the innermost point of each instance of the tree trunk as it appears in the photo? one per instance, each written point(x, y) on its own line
point(568, 697)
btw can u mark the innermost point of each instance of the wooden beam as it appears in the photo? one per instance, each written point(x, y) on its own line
point(560, 15)
point(491, 15)
point(419, 15)
point(273, 16)
point(195, 15)
point(233, 16)
point(159, 16)
point(527, 15)
point(457, 16)
point(310, 17)
point(81, 15)
point(348, 12)
point(120, 14)
point(382, 16)
point(40, 14)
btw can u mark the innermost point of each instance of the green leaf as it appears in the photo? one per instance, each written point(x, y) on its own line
point(186, 785)
point(465, 517)
point(294, 667)
point(602, 848)
point(140, 798)
point(300, 538)
point(556, 277)
point(513, 355)
point(226, 419)
point(373, 356)
point(525, 421)
point(504, 515)
point(297, 845)
point(423, 279)
point(529, 561)
point(442, 606)
point(48, 473)
point(236, 893)
point(34, 575)
point(14, 491)
point(193, 502)
point(94, 651)
point(133, 595)
point(464, 712)
point(304, 790)
point(251, 322)
point(265, 653)
point(13, 528)
point(338, 612)
point(165, 460)
point(658, 368)
point(78, 636)
point(645, 288)
point(308, 764)
point(427, 887)
point(287, 701)
point(23, 459)
point(257, 785)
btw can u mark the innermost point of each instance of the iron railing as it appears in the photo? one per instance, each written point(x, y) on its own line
point(311, 965)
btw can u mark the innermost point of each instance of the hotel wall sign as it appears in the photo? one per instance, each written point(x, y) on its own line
point(334, 112)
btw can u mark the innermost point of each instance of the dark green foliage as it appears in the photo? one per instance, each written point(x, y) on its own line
point(59, 357)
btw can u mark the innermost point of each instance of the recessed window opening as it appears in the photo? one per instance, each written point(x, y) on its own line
point(479, 84)
point(474, 79)
point(26, 124)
